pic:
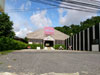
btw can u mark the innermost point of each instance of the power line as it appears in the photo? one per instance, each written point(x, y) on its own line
point(28, 10)
point(69, 4)
point(55, 4)
point(66, 7)
point(74, 2)
point(83, 4)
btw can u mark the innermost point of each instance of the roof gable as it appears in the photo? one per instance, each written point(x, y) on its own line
point(39, 34)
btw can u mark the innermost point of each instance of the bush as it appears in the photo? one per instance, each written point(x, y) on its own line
point(11, 44)
point(34, 46)
point(58, 45)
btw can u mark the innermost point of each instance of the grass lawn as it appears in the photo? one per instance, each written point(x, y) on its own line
point(5, 52)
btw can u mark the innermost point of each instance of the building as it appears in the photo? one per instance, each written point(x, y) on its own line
point(2, 5)
point(86, 40)
point(20, 39)
point(47, 36)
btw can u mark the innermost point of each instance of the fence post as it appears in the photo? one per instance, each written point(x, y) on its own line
point(88, 39)
point(99, 36)
point(73, 42)
point(80, 41)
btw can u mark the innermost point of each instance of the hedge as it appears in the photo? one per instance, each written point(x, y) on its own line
point(11, 44)
point(34, 46)
point(58, 45)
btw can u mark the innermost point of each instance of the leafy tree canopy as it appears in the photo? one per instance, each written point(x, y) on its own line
point(6, 28)
point(73, 29)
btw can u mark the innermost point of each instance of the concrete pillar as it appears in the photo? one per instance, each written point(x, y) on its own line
point(80, 41)
point(73, 43)
point(99, 36)
point(94, 32)
point(88, 39)
point(70, 40)
point(83, 40)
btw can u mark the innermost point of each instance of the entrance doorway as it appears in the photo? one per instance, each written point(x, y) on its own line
point(48, 43)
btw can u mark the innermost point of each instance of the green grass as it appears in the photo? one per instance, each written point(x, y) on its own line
point(1, 63)
point(6, 52)
point(14, 59)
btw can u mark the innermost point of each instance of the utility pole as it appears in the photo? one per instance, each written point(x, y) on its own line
point(2, 5)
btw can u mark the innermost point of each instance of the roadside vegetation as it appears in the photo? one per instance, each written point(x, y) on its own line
point(34, 46)
point(58, 46)
point(11, 44)
point(7, 41)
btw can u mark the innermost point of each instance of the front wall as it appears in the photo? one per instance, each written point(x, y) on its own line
point(40, 41)
point(37, 41)
point(62, 42)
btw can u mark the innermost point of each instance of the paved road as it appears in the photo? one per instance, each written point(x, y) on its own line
point(39, 62)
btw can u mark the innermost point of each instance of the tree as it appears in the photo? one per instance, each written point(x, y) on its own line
point(26, 39)
point(90, 22)
point(6, 28)
point(69, 30)
point(74, 29)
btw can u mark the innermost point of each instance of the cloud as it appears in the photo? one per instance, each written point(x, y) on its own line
point(22, 29)
point(23, 32)
point(73, 16)
point(68, 16)
point(20, 24)
point(40, 20)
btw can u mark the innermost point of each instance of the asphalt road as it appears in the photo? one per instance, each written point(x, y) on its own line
point(39, 62)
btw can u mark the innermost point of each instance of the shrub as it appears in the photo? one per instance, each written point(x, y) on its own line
point(34, 46)
point(11, 44)
point(58, 45)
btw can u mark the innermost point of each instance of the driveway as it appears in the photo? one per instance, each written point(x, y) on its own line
point(39, 62)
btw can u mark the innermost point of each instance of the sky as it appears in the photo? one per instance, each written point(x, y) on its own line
point(29, 21)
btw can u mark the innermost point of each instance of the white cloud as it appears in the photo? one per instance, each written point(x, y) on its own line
point(68, 17)
point(22, 28)
point(21, 25)
point(40, 20)
point(73, 16)
point(23, 32)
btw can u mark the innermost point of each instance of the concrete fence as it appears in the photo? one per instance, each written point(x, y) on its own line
point(86, 40)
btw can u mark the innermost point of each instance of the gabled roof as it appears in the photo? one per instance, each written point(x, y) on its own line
point(39, 34)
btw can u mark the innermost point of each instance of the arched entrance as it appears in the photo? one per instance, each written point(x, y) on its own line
point(49, 41)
